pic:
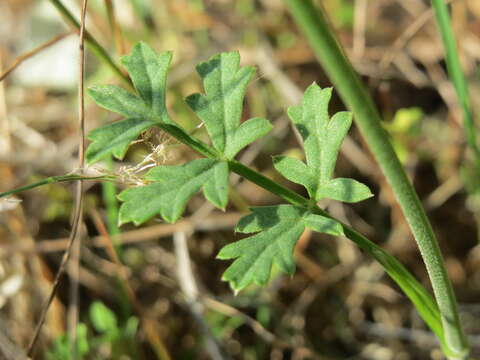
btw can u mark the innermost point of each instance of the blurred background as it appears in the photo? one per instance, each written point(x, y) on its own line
point(155, 292)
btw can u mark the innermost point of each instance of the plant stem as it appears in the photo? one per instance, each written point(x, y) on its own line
point(92, 43)
point(268, 184)
point(422, 300)
point(330, 54)
point(456, 73)
point(55, 179)
point(182, 136)
point(357, 99)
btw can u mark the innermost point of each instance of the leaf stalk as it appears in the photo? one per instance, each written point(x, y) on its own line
point(442, 319)
point(422, 300)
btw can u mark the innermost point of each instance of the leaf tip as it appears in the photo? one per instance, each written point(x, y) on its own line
point(236, 286)
point(239, 228)
point(339, 230)
point(121, 219)
point(95, 91)
point(170, 219)
point(92, 89)
point(221, 256)
point(312, 87)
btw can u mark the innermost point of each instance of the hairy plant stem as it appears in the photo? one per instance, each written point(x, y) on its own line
point(422, 300)
point(346, 81)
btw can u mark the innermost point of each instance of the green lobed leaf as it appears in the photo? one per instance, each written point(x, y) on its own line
point(259, 219)
point(311, 120)
point(346, 190)
point(225, 83)
point(115, 138)
point(170, 189)
point(336, 131)
point(322, 138)
point(148, 72)
point(216, 188)
point(118, 100)
point(278, 229)
point(323, 224)
point(246, 133)
point(296, 171)
point(281, 227)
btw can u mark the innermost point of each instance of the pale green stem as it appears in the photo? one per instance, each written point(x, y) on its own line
point(422, 300)
point(346, 81)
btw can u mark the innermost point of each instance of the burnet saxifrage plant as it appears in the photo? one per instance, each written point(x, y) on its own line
point(164, 190)
point(167, 189)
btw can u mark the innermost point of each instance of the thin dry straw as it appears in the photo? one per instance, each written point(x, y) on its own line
point(79, 190)
point(19, 60)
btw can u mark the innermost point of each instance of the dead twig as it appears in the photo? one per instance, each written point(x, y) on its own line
point(359, 28)
point(189, 288)
point(116, 30)
point(20, 59)
point(5, 131)
point(77, 217)
point(215, 222)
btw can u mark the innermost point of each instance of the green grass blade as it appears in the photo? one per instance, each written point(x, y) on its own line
point(330, 54)
point(455, 72)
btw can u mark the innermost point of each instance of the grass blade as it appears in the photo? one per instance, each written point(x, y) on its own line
point(455, 72)
point(330, 54)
